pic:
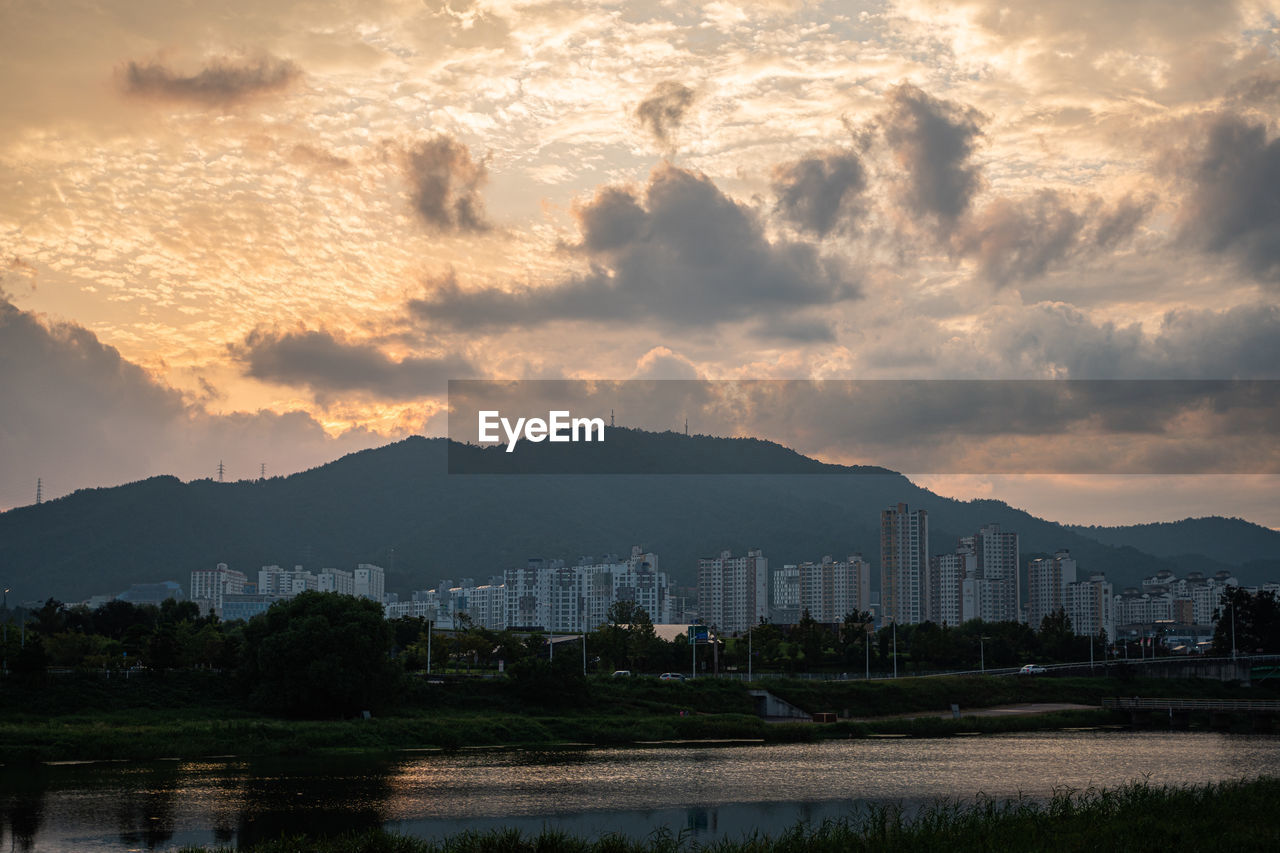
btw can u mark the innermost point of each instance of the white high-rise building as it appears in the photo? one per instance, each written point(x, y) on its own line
point(947, 573)
point(1089, 605)
point(904, 565)
point(336, 580)
point(549, 594)
point(209, 586)
point(1047, 579)
point(831, 590)
point(733, 592)
point(998, 562)
point(285, 583)
point(369, 581)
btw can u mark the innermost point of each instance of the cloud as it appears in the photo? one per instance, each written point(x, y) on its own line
point(1231, 208)
point(328, 365)
point(223, 81)
point(78, 414)
point(1021, 240)
point(820, 193)
point(663, 110)
point(664, 363)
point(1052, 339)
point(445, 183)
point(684, 255)
point(933, 141)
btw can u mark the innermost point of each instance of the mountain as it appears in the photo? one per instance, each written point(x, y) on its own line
point(1233, 541)
point(399, 507)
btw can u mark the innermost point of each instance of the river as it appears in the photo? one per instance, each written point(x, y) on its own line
point(704, 791)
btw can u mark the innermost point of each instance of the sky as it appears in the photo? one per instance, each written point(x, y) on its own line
point(268, 233)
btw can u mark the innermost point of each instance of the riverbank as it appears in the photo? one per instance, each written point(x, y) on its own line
point(175, 718)
point(1230, 816)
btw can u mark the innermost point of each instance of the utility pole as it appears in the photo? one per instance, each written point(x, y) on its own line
point(749, 633)
point(430, 625)
point(693, 645)
point(895, 648)
point(1233, 628)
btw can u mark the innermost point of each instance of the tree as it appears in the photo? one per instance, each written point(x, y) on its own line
point(1256, 622)
point(1057, 639)
point(320, 654)
point(811, 638)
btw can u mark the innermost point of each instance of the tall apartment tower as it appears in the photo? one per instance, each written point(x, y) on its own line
point(733, 592)
point(997, 554)
point(904, 565)
point(1047, 579)
point(832, 589)
point(369, 581)
point(1089, 605)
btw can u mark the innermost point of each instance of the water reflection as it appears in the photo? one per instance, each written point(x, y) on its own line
point(702, 793)
point(144, 810)
point(23, 806)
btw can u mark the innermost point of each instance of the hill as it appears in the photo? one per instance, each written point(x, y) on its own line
point(1233, 541)
point(397, 506)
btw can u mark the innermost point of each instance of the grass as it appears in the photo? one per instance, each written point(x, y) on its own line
point(190, 715)
point(1229, 816)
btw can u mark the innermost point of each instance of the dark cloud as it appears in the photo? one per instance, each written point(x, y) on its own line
point(1016, 241)
point(311, 155)
point(1232, 207)
point(820, 193)
point(662, 112)
point(326, 364)
point(80, 415)
point(982, 426)
point(684, 255)
point(1239, 343)
point(445, 183)
point(933, 142)
point(1256, 89)
point(222, 81)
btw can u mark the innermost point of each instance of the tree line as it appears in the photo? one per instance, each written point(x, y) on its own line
point(326, 653)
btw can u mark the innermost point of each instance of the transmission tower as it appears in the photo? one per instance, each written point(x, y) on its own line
point(221, 470)
point(39, 491)
point(262, 471)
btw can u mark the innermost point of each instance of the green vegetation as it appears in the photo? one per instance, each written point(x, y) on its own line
point(320, 655)
point(1229, 816)
point(149, 682)
point(1255, 618)
point(192, 714)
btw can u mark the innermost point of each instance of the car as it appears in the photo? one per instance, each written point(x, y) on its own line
point(671, 676)
point(622, 673)
point(1031, 669)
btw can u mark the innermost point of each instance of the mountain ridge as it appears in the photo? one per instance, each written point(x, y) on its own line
point(397, 506)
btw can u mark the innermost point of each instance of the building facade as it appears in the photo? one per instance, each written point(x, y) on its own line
point(733, 592)
point(904, 565)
